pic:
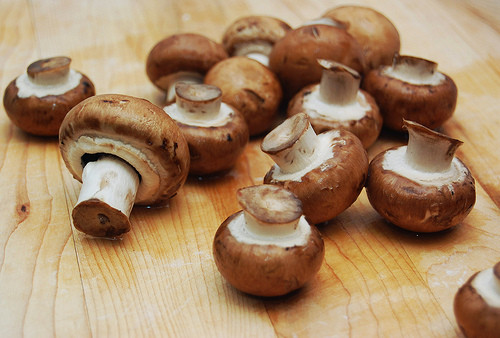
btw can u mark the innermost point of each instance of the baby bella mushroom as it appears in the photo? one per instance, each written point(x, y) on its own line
point(326, 171)
point(337, 102)
point(268, 248)
point(124, 150)
point(422, 186)
point(216, 133)
point(413, 89)
point(38, 100)
point(477, 304)
point(182, 57)
point(254, 36)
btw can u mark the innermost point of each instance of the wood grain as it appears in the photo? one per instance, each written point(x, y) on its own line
point(160, 279)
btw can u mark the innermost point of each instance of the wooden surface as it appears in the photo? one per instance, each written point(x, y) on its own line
point(160, 279)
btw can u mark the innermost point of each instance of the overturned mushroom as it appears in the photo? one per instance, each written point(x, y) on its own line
point(124, 150)
point(413, 89)
point(38, 100)
point(326, 171)
point(477, 304)
point(216, 133)
point(268, 248)
point(254, 36)
point(182, 57)
point(337, 102)
point(422, 186)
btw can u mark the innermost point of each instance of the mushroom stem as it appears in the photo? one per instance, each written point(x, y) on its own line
point(427, 150)
point(172, 80)
point(106, 197)
point(339, 84)
point(414, 70)
point(199, 102)
point(255, 50)
point(49, 71)
point(291, 144)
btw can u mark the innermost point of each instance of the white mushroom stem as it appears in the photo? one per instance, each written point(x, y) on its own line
point(427, 150)
point(198, 101)
point(50, 71)
point(292, 145)
point(487, 284)
point(339, 84)
point(171, 80)
point(266, 230)
point(414, 70)
point(111, 181)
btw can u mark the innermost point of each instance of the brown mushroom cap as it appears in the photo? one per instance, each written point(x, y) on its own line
point(429, 105)
point(475, 317)
point(294, 57)
point(255, 29)
point(419, 207)
point(133, 129)
point(331, 187)
point(214, 149)
point(182, 52)
point(251, 88)
point(43, 115)
point(376, 34)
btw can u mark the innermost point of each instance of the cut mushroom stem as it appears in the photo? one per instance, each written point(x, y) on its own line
point(427, 150)
point(291, 144)
point(415, 70)
point(184, 76)
point(200, 102)
point(49, 71)
point(106, 198)
point(269, 211)
point(339, 84)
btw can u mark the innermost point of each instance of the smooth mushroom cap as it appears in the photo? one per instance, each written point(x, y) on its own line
point(412, 89)
point(474, 315)
point(42, 114)
point(376, 34)
point(294, 57)
point(251, 88)
point(253, 34)
point(184, 52)
point(133, 129)
point(215, 144)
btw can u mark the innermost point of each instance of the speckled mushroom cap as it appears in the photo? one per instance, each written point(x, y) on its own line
point(134, 130)
point(182, 52)
point(255, 29)
point(43, 114)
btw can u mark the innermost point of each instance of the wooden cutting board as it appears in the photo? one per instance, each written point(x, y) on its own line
point(160, 279)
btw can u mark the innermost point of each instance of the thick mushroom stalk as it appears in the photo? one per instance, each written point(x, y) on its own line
point(109, 188)
point(414, 70)
point(49, 71)
point(170, 82)
point(339, 84)
point(429, 151)
point(292, 144)
point(198, 104)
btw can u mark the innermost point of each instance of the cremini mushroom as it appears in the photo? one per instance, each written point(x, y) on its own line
point(477, 304)
point(421, 186)
point(124, 150)
point(326, 171)
point(376, 34)
point(268, 248)
point(216, 133)
point(337, 102)
point(413, 89)
point(294, 57)
point(182, 57)
point(38, 100)
point(254, 36)
point(251, 88)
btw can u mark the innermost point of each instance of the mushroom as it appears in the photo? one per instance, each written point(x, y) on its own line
point(268, 248)
point(254, 36)
point(337, 102)
point(182, 57)
point(125, 150)
point(294, 57)
point(477, 304)
point(216, 133)
point(326, 171)
point(376, 34)
point(38, 100)
point(413, 89)
point(421, 186)
point(251, 88)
